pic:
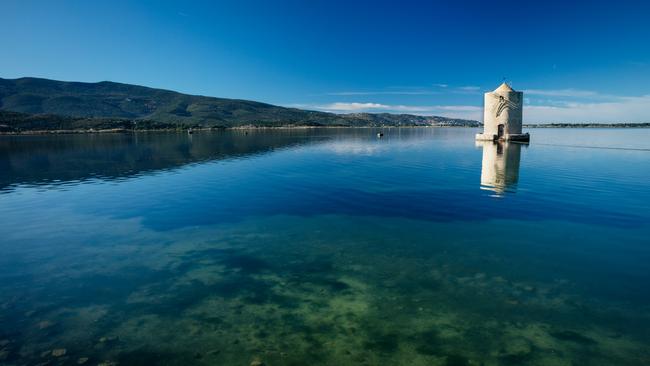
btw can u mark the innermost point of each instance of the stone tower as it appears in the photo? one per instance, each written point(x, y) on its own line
point(502, 115)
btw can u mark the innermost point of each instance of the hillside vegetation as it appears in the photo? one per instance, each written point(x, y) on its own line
point(57, 105)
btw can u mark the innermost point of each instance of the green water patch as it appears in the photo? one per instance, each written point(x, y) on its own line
point(235, 294)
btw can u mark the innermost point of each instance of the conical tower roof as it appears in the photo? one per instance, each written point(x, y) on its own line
point(504, 87)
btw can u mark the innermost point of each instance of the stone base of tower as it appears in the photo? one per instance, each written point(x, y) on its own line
point(519, 137)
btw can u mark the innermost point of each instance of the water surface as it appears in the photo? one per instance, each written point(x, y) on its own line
point(325, 247)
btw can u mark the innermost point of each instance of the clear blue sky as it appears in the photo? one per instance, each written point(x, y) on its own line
point(575, 60)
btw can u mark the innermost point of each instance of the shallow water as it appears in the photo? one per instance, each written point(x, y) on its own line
point(326, 247)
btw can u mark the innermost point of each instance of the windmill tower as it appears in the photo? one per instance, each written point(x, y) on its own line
point(502, 115)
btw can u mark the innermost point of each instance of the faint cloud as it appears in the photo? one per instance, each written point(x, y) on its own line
point(469, 89)
point(625, 109)
point(568, 105)
point(183, 14)
point(452, 111)
point(350, 107)
point(385, 92)
point(403, 90)
point(577, 93)
point(572, 105)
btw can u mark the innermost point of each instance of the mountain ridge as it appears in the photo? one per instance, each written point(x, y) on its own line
point(46, 99)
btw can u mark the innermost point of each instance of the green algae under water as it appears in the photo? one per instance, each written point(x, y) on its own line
point(324, 247)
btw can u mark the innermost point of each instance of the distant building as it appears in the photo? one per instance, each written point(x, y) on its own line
point(502, 115)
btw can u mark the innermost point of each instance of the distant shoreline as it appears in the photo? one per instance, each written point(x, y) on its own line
point(305, 127)
point(589, 125)
point(195, 129)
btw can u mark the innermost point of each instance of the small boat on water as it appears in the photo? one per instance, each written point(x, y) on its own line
point(380, 134)
point(189, 131)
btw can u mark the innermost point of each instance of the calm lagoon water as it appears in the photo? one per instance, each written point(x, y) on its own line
point(325, 247)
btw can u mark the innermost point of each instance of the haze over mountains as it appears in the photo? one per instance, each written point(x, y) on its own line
point(43, 104)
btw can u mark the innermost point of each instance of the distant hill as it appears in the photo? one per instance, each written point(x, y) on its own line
point(55, 105)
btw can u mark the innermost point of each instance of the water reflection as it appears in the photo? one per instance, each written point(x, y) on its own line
point(51, 159)
point(500, 168)
point(56, 159)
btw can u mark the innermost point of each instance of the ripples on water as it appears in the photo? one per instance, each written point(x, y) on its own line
point(325, 246)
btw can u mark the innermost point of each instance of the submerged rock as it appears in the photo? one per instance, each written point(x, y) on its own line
point(107, 363)
point(519, 346)
point(518, 351)
point(59, 352)
point(529, 288)
point(45, 324)
point(30, 313)
point(108, 339)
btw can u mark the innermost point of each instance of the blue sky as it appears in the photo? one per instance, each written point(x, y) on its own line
point(576, 61)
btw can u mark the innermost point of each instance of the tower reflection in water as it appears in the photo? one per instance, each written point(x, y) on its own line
point(500, 168)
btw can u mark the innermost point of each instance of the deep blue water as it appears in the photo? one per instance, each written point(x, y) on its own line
point(326, 246)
